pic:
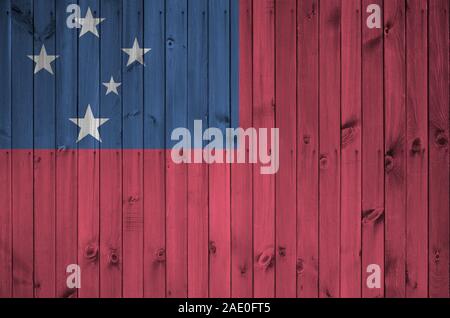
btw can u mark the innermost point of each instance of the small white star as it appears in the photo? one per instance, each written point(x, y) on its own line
point(89, 23)
point(43, 61)
point(136, 54)
point(112, 86)
point(89, 125)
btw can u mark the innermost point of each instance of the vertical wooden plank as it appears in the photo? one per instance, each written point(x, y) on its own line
point(154, 155)
point(351, 150)
point(329, 161)
point(417, 155)
point(5, 221)
point(176, 175)
point(263, 117)
point(5, 154)
point(154, 220)
point(133, 217)
point(234, 62)
point(219, 173)
point(438, 48)
point(308, 148)
point(395, 145)
point(111, 152)
point(44, 155)
point(66, 70)
point(88, 159)
point(111, 259)
point(198, 173)
point(286, 120)
point(372, 186)
point(22, 159)
point(241, 174)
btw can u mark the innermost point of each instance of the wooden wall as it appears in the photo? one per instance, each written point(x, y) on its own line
point(364, 151)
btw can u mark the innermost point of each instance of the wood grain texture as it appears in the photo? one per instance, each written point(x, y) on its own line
point(5, 155)
point(372, 184)
point(66, 159)
point(417, 152)
point(219, 173)
point(133, 137)
point(395, 147)
point(241, 174)
point(438, 123)
point(111, 161)
point(44, 161)
point(22, 160)
point(308, 149)
point(330, 148)
point(154, 161)
point(263, 117)
point(363, 116)
point(351, 150)
point(198, 209)
point(176, 175)
point(286, 117)
point(89, 161)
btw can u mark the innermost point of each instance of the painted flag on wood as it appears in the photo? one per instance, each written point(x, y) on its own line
point(91, 95)
point(92, 92)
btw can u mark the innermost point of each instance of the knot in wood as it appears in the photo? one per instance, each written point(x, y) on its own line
point(441, 139)
point(416, 147)
point(133, 199)
point(243, 269)
point(160, 255)
point(372, 215)
point(348, 134)
point(170, 43)
point(113, 258)
point(91, 252)
point(282, 251)
point(299, 266)
point(306, 139)
point(265, 259)
point(212, 247)
point(407, 278)
point(437, 256)
point(388, 163)
point(323, 162)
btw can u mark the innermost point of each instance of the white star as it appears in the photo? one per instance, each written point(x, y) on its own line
point(89, 125)
point(136, 54)
point(89, 23)
point(43, 61)
point(112, 86)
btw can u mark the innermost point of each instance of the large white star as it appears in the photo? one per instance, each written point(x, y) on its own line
point(112, 86)
point(89, 125)
point(89, 23)
point(136, 54)
point(43, 61)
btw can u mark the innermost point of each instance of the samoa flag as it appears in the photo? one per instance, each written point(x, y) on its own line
point(90, 93)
